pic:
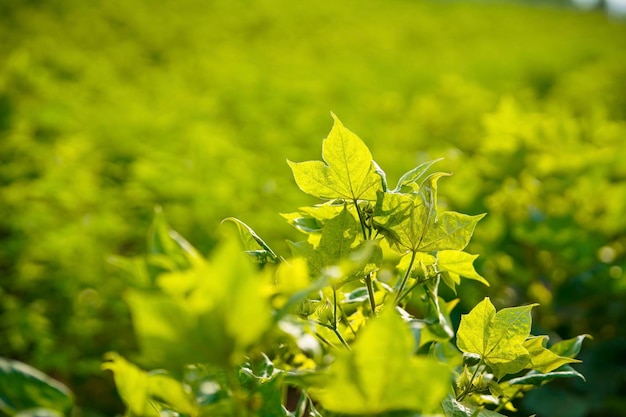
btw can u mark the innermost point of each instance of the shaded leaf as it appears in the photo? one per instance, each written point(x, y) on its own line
point(454, 408)
point(570, 347)
point(253, 245)
point(537, 378)
point(408, 181)
point(23, 387)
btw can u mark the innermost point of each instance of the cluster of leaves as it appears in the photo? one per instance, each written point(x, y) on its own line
point(328, 331)
point(196, 91)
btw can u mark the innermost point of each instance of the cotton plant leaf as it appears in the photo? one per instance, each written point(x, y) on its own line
point(381, 374)
point(459, 263)
point(536, 378)
point(338, 248)
point(347, 171)
point(402, 219)
point(145, 393)
point(218, 310)
point(454, 408)
point(168, 248)
point(23, 387)
point(408, 182)
point(253, 245)
point(497, 337)
point(570, 347)
point(543, 359)
point(451, 231)
point(411, 225)
point(428, 190)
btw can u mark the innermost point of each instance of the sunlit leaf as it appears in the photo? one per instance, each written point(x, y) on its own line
point(452, 231)
point(218, 309)
point(381, 374)
point(145, 393)
point(346, 173)
point(544, 360)
point(497, 337)
point(460, 263)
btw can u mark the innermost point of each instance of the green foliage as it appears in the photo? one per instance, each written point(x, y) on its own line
point(332, 325)
point(26, 391)
point(112, 108)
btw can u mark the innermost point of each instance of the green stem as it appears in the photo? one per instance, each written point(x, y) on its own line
point(370, 293)
point(361, 219)
point(323, 339)
point(408, 291)
point(405, 278)
point(345, 317)
point(334, 327)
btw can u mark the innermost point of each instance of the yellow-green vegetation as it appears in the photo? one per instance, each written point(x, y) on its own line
point(109, 108)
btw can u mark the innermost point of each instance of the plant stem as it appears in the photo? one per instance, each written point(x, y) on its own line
point(334, 327)
point(361, 219)
point(405, 279)
point(368, 278)
point(370, 293)
point(345, 317)
point(469, 385)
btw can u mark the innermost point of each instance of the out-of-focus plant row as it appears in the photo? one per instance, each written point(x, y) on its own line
point(110, 108)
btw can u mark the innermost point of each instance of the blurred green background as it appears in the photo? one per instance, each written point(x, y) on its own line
point(108, 108)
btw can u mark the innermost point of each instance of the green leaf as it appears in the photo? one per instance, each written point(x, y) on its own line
point(253, 245)
point(460, 263)
point(381, 374)
point(132, 385)
point(497, 337)
point(570, 347)
point(402, 219)
point(537, 378)
point(165, 243)
point(544, 360)
point(451, 231)
point(39, 412)
point(336, 249)
point(218, 309)
point(146, 393)
point(264, 383)
point(172, 393)
point(409, 224)
point(346, 173)
point(23, 387)
point(408, 181)
point(454, 408)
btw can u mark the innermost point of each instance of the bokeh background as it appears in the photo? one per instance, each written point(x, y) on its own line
point(111, 107)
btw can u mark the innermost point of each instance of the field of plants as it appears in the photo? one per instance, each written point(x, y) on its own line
point(123, 121)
